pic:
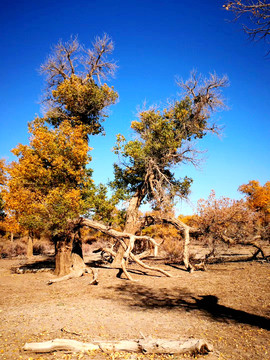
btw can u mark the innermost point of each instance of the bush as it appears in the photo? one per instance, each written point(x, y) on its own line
point(12, 249)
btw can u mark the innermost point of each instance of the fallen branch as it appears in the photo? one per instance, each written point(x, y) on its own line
point(183, 228)
point(127, 245)
point(148, 345)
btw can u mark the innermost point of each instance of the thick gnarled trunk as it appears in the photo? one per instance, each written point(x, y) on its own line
point(63, 250)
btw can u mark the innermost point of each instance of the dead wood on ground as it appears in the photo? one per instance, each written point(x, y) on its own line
point(146, 345)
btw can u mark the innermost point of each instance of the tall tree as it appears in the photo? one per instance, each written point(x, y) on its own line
point(50, 184)
point(46, 184)
point(164, 140)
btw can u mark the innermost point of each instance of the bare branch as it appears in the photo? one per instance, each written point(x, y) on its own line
point(258, 13)
point(62, 63)
point(96, 61)
point(70, 58)
point(205, 93)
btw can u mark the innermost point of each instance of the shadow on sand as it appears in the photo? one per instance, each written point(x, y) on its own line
point(148, 298)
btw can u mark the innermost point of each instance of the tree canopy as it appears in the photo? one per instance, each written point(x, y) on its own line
point(163, 140)
point(74, 88)
point(46, 185)
point(257, 196)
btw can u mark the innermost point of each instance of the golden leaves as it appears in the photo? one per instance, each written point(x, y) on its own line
point(46, 182)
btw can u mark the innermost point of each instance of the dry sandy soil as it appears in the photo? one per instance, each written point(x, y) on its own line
point(228, 305)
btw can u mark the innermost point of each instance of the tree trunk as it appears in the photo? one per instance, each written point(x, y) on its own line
point(131, 225)
point(30, 246)
point(63, 261)
point(186, 250)
point(132, 214)
point(66, 244)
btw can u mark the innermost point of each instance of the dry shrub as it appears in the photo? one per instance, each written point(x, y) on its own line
point(43, 247)
point(225, 220)
point(18, 247)
point(12, 248)
point(171, 242)
point(89, 245)
point(173, 249)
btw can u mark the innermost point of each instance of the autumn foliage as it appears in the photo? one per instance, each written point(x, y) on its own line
point(45, 185)
point(257, 196)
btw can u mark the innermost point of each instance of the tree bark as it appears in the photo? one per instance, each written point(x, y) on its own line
point(63, 250)
point(77, 269)
point(185, 230)
point(131, 225)
point(30, 246)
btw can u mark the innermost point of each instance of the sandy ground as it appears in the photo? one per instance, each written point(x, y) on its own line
point(228, 305)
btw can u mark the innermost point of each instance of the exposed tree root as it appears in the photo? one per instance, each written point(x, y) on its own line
point(147, 345)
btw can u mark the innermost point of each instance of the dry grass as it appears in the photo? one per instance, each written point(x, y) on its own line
point(18, 247)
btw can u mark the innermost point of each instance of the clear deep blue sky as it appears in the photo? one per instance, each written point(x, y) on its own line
point(154, 42)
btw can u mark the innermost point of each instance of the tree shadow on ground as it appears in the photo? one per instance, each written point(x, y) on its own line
point(35, 266)
point(183, 300)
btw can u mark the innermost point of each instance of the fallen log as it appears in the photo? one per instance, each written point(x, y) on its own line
point(146, 345)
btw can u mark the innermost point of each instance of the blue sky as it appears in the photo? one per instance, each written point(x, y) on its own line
point(155, 41)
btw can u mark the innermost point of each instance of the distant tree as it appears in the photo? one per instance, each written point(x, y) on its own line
point(164, 140)
point(2, 183)
point(259, 15)
point(257, 195)
point(225, 220)
point(258, 200)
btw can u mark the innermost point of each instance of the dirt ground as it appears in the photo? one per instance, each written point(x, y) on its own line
point(228, 305)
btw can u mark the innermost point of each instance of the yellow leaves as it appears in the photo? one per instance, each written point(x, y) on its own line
point(258, 197)
point(2, 172)
point(45, 184)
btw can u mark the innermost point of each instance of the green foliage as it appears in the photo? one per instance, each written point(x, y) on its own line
point(99, 206)
point(164, 140)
